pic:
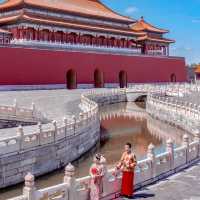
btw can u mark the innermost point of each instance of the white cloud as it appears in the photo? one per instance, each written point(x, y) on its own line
point(196, 21)
point(131, 10)
point(188, 48)
point(182, 49)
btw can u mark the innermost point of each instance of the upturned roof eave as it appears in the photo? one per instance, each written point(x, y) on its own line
point(15, 3)
point(25, 16)
point(146, 38)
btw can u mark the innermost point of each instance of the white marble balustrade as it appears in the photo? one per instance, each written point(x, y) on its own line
point(59, 45)
point(15, 112)
point(71, 126)
point(90, 111)
point(151, 169)
point(183, 114)
point(155, 167)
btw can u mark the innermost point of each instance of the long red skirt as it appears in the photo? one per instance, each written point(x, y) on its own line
point(127, 183)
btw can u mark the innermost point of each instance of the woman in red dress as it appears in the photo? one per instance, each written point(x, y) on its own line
point(127, 165)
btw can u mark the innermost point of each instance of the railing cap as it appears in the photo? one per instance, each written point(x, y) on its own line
point(151, 147)
point(54, 122)
point(169, 141)
point(185, 136)
point(29, 180)
point(69, 168)
point(29, 177)
point(20, 130)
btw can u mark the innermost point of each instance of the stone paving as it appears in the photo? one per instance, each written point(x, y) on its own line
point(182, 186)
point(54, 103)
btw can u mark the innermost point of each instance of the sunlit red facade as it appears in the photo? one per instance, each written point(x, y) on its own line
point(81, 42)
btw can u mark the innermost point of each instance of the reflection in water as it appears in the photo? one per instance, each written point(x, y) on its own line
point(121, 123)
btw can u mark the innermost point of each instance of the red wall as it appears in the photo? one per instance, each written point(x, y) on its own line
point(31, 66)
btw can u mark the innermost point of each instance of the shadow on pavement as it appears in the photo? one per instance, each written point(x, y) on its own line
point(143, 195)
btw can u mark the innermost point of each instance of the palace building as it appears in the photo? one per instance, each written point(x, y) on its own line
point(78, 42)
point(5, 37)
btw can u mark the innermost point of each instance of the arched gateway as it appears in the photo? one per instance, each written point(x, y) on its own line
point(71, 79)
point(98, 79)
point(123, 79)
point(173, 78)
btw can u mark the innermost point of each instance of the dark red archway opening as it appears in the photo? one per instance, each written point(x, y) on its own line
point(123, 79)
point(71, 79)
point(98, 79)
point(173, 78)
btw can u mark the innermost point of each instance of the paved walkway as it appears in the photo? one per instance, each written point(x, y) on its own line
point(182, 186)
point(54, 103)
point(192, 98)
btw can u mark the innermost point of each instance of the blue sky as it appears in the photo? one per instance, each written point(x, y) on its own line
point(181, 17)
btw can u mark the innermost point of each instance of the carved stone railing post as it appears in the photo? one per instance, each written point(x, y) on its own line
point(105, 189)
point(170, 149)
point(55, 129)
point(40, 132)
point(20, 133)
point(74, 120)
point(15, 105)
point(197, 139)
point(81, 118)
point(186, 145)
point(70, 180)
point(65, 124)
point(152, 157)
point(33, 108)
point(29, 190)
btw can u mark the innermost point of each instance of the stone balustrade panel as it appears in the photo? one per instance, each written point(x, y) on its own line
point(112, 184)
point(61, 133)
point(162, 164)
point(193, 151)
point(30, 141)
point(7, 110)
point(19, 113)
point(83, 187)
point(10, 145)
point(47, 137)
point(24, 113)
point(143, 171)
point(57, 192)
point(180, 157)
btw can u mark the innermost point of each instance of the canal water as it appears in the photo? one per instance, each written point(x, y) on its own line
point(120, 123)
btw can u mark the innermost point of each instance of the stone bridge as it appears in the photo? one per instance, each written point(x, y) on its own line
point(133, 96)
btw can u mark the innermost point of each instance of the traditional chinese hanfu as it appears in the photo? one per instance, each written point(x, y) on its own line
point(96, 173)
point(127, 165)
